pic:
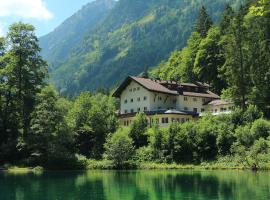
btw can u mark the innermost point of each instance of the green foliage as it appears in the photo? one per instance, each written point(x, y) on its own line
point(92, 118)
point(50, 141)
point(119, 148)
point(138, 130)
point(204, 22)
point(157, 144)
point(124, 39)
point(210, 59)
point(233, 57)
point(22, 74)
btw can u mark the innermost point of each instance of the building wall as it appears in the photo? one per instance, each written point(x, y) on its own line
point(220, 108)
point(159, 101)
point(188, 103)
point(137, 93)
point(163, 120)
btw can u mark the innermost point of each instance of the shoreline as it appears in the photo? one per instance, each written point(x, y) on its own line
point(145, 166)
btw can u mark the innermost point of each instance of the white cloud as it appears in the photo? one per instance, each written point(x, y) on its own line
point(25, 8)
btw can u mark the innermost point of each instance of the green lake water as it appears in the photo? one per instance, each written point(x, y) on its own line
point(136, 185)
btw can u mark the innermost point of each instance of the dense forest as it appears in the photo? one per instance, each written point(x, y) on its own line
point(126, 37)
point(40, 127)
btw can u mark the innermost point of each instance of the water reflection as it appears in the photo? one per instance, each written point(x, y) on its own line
point(136, 185)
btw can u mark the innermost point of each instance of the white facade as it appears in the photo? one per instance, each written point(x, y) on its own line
point(135, 98)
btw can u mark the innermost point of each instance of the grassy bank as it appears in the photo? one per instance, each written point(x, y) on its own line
point(215, 165)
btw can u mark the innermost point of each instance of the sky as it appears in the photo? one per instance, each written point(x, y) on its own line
point(45, 15)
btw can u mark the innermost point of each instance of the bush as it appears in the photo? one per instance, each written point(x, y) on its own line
point(260, 129)
point(138, 130)
point(143, 154)
point(119, 148)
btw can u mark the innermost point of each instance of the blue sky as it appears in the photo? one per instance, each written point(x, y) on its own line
point(45, 15)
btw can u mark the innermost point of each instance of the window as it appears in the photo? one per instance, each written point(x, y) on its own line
point(145, 108)
point(144, 98)
point(173, 120)
point(138, 109)
point(138, 99)
point(159, 108)
point(138, 88)
point(159, 98)
point(125, 123)
point(157, 120)
point(131, 110)
point(202, 110)
point(195, 99)
point(126, 101)
point(134, 89)
point(130, 90)
point(131, 100)
point(174, 100)
point(195, 110)
point(126, 111)
point(185, 98)
point(165, 120)
point(185, 108)
point(215, 110)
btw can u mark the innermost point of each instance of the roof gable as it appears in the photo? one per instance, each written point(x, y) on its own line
point(148, 84)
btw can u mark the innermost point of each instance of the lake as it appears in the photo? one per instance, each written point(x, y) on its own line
point(136, 185)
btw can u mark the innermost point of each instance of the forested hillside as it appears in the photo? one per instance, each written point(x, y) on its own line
point(59, 44)
point(232, 56)
point(132, 36)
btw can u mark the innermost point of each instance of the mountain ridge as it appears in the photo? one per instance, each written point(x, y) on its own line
point(131, 36)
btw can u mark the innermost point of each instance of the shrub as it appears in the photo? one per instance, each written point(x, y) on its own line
point(260, 129)
point(138, 130)
point(119, 148)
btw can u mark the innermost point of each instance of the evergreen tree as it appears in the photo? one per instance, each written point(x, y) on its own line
point(259, 47)
point(226, 19)
point(237, 65)
point(204, 22)
point(22, 76)
point(209, 60)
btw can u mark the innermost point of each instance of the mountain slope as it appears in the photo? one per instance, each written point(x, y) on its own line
point(133, 35)
point(58, 44)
